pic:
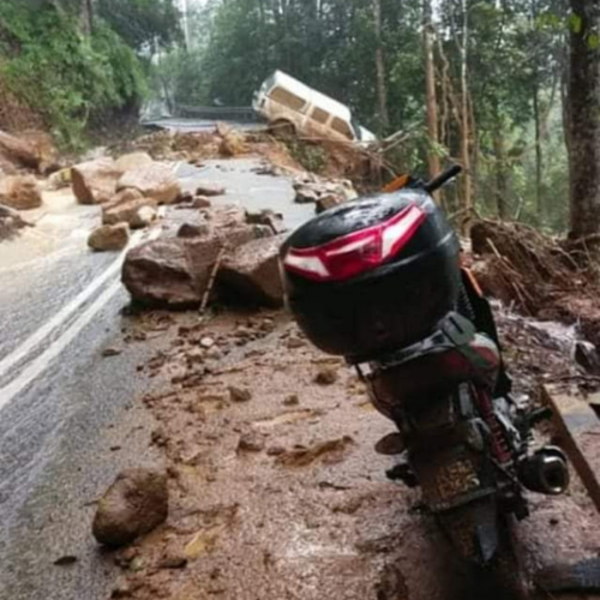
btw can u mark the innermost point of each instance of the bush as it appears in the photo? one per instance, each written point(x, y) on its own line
point(67, 78)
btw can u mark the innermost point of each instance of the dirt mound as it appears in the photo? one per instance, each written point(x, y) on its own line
point(16, 116)
point(539, 275)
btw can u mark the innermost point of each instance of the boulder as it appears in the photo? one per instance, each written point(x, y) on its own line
point(95, 181)
point(175, 272)
point(156, 181)
point(133, 160)
point(109, 238)
point(252, 271)
point(135, 504)
point(158, 273)
point(18, 151)
point(21, 192)
point(209, 189)
point(129, 206)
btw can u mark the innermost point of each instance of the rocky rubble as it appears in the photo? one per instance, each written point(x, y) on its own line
point(325, 194)
point(176, 272)
point(11, 222)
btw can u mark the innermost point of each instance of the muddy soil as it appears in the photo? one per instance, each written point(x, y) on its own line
point(276, 491)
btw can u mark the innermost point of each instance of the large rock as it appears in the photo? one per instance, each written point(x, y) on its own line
point(21, 192)
point(129, 206)
point(109, 238)
point(156, 181)
point(160, 272)
point(134, 160)
point(252, 271)
point(18, 151)
point(95, 181)
point(175, 272)
point(135, 504)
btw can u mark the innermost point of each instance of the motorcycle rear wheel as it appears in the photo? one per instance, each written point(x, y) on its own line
point(502, 577)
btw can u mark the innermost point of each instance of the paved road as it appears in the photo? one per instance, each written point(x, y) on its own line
point(62, 406)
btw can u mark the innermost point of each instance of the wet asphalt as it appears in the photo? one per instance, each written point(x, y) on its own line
point(68, 420)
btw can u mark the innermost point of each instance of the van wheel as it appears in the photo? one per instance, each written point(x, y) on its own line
point(283, 129)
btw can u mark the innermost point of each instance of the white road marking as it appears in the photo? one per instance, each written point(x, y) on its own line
point(36, 367)
point(41, 363)
point(57, 320)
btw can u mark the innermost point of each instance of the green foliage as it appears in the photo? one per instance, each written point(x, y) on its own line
point(142, 24)
point(65, 77)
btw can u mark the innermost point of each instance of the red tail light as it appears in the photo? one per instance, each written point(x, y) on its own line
point(356, 252)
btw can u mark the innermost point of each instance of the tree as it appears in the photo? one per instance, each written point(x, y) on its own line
point(143, 24)
point(382, 95)
point(584, 122)
point(430, 91)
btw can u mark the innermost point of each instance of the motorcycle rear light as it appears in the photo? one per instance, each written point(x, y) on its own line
point(357, 252)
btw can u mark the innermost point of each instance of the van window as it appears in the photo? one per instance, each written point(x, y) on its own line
point(320, 115)
point(342, 127)
point(287, 98)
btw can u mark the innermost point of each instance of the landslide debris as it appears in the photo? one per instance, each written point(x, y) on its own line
point(539, 275)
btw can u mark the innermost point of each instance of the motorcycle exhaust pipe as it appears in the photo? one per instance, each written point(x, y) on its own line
point(545, 472)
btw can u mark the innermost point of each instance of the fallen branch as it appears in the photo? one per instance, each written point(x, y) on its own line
point(211, 280)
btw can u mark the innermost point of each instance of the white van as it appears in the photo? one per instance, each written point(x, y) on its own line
point(292, 107)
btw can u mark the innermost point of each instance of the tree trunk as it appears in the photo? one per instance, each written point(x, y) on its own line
point(500, 160)
point(430, 92)
point(467, 200)
point(538, 151)
point(584, 121)
point(384, 118)
point(87, 17)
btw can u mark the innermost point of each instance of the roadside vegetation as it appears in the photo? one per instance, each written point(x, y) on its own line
point(69, 70)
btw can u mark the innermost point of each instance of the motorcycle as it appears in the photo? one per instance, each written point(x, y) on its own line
point(379, 281)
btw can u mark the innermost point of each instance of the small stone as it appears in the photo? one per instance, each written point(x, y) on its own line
point(215, 353)
point(65, 561)
point(184, 197)
point(159, 438)
point(239, 394)
point(292, 400)
point(207, 342)
point(173, 559)
point(276, 451)
point(295, 342)
point(210, 189)
point(111, 352)
point(251, 442)
point(326, 377)
point(137, 564)
point(201, 202)
point(124, 557)
point(122, 590)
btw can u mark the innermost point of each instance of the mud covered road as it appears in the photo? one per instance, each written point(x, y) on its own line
point(277, 491)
